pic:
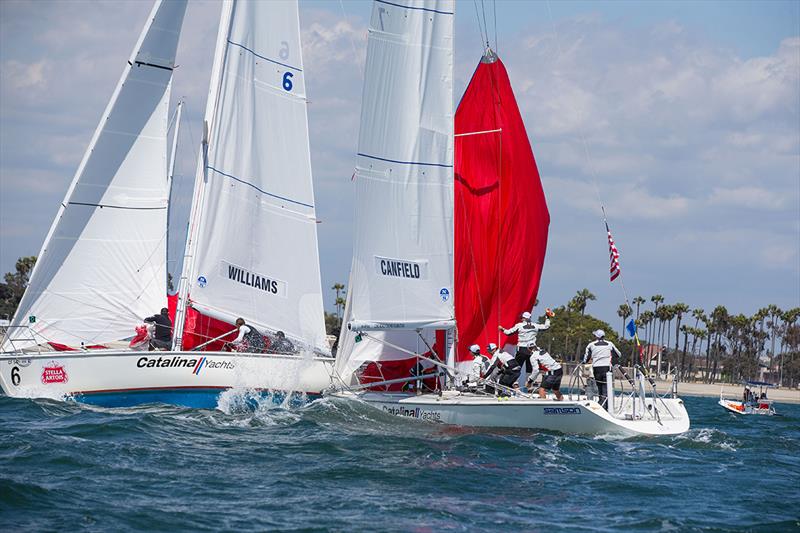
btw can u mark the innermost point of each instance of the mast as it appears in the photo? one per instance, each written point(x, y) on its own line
point(201, 176)
point(171, 175)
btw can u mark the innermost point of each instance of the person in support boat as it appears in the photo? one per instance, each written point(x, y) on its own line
point(163, 337)
point(552, 374)
point(502, 367)
point(600, 353)
point(479, 365)
point(526, 340)
point(249, 339)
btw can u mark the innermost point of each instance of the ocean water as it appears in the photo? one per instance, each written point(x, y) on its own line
point(339, 466)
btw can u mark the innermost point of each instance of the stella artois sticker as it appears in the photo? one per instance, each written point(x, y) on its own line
point(54, 373)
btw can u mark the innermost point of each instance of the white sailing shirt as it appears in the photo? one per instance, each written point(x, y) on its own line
point(244, 330)
point(527, 332)
point(479, 366)
point(600, 352)
point(545, 361)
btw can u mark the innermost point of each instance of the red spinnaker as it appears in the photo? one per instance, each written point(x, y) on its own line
point(501, 216)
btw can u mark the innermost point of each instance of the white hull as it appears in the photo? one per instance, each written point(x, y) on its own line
point(195, 379)
point(580, 416)
point(740, 408)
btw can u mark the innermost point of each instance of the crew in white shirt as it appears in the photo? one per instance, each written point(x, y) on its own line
point(479, 365)
point(553, 372)
point(600, 353)
point(526, 337)
point(502, 366)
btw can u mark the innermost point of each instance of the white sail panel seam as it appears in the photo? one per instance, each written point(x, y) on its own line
point(415, 8)
point(415, 163)
point(259, 189)
point(264, 57)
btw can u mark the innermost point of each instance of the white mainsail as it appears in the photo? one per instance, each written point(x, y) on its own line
point(102, 267)
point(401, 276)
point(252, 246)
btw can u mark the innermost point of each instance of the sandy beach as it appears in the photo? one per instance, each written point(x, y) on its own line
point(781, 395)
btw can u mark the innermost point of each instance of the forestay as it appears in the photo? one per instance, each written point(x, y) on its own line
point(102, 267)
point(255, 246)
point(402, 270)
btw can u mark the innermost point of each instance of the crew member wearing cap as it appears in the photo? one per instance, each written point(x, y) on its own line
point(526, 340)
point(479, 365)
point(552, 371)
point(503, 366)
point(600, 353)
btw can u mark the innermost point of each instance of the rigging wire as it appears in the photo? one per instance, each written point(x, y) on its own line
point(352, 42)
point(478, 17)
point(589, 159)
point(494, 10)
point(485, 26)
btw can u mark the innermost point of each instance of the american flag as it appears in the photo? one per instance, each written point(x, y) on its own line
point(614, 253)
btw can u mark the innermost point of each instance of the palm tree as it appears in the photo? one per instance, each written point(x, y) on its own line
point(773, 312)
point(624, 311)
point(680, 309)
point(656, 299)
point(339, 301)
point(581, 299)
point(720, 320)
point(638, 301)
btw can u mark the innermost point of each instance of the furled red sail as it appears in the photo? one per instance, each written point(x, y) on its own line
point(501, 216)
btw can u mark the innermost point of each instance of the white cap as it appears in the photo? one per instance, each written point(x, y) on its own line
point(526, 315)
point(475, 348)
point(492, 346)
point(599, 333)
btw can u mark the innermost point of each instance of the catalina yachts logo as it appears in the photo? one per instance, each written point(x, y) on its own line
point(445, 294)
point(202, 281)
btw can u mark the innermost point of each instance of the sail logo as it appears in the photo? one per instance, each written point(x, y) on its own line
point(444, 294)
point(196, 365)
point(202, 281)
point(253, 280)
point(421, 414)
point(54, 372)
point(400, 268)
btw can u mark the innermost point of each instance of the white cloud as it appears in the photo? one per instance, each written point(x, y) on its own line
point(749, 197)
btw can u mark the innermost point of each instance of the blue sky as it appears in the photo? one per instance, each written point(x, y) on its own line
point(690, 112)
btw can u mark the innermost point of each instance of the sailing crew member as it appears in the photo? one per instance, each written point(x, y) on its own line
point(502, 366)
point(249, 339)
point(526, 340)
point(280, 344)
point(600, 353)
point(163, 337)
point(479, 365)
point(552, 374)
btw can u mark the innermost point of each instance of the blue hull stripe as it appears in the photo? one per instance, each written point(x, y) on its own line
point(198, 398)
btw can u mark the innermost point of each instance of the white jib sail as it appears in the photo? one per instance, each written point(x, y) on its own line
point(402, 271)
point(255, 249)
point(102, 267)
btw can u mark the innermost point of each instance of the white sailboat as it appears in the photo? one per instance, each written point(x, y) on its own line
point(102, 268)
point(400, 313)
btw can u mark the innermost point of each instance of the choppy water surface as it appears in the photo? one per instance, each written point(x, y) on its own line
point(340, 466)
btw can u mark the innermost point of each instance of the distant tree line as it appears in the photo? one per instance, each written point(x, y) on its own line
point(704, 347)
point(13, 286)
